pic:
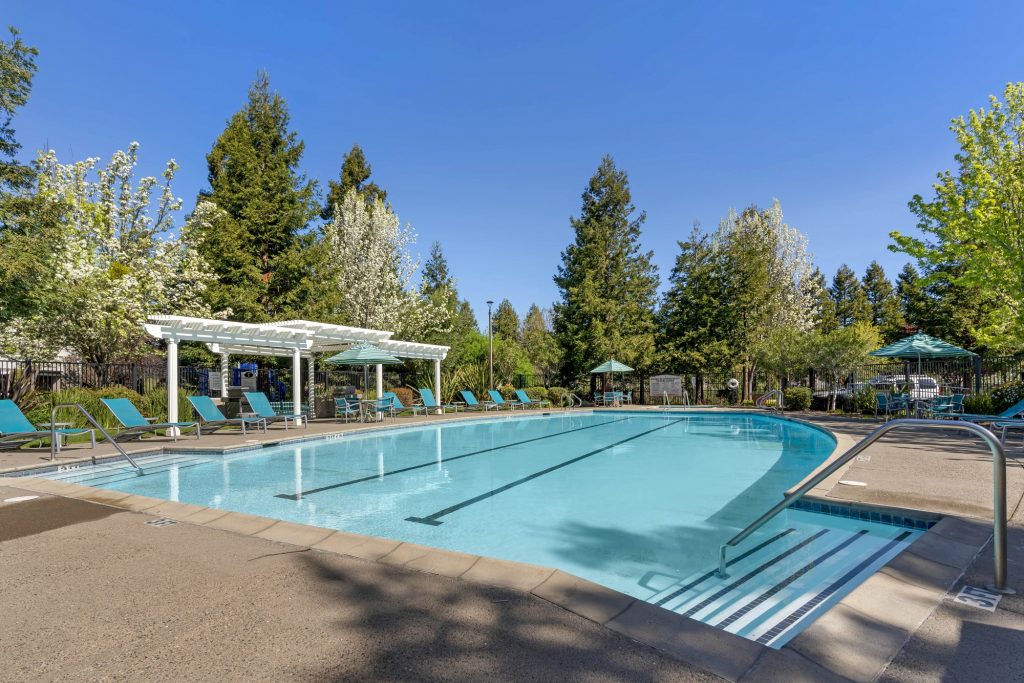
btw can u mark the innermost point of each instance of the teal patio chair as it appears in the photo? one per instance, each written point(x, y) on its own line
point(346, 408)
point(210, 416)
point(472, 404)
point(260, 405)
point(524, 398)
point(888, 405)
point(16, 430)
point(134, 425)
point(428, 402)
point(500, 401)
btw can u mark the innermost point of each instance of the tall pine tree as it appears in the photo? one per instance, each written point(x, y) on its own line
point(254, 235)
point(607, 283)
point(885, 306)
point(506, 321)
point(355, 172)
point(851, 304)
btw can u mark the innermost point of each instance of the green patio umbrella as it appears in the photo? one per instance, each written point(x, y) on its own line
point(365, 355)
point(611, 366)
point(920, 346)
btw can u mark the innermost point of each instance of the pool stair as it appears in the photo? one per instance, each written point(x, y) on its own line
point(782, 580)
point(109, 472)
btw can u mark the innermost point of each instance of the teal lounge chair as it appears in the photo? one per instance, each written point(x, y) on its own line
point(260, 405)
point(472, 404)
point(397, 406)
point(211, 417)
point(346, 407)
point(1013, 411)
point(134, 425)
point(17, 430)
point(525, 399)
point(500, 401)
point(428, 402)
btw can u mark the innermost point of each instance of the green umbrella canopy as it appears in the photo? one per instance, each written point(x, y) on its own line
point(611, 366)
point(363, 354)
point(920, 346)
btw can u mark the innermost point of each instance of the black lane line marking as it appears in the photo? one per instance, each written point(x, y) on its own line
point(433, 463)
point(433, 519)
point(748, 576)
point(682, 589)
point(789, 579)
point(781, 627)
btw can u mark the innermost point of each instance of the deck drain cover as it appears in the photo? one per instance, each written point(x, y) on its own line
point(163, 521)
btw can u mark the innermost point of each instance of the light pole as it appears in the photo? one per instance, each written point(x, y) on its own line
point(490, 348)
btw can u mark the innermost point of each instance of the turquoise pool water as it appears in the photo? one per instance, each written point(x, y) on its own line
point(639, 502)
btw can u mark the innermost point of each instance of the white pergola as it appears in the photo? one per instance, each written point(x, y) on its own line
point(296, 338)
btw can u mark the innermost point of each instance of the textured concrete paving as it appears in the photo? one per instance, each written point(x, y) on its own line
point(112, 598)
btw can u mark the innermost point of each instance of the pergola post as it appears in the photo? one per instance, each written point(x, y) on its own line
point(296, 380)
point(380, 380)
point(172, 383)
point(225, 374)
point(311, 388)
point(437, 384)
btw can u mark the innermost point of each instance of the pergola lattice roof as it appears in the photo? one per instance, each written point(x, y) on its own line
point(282, 338)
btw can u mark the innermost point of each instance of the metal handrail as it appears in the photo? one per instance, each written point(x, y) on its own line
point(998, 490)
point(779, 398)
point(572, 401)
point(97, 425)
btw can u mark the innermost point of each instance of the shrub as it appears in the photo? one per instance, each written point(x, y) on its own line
point(558, 395)
point(797, 398)
point(982, 404)
point(153, 404)
point(1005, 395)
point(507, 391)
point(537, 393)
point(864, 400)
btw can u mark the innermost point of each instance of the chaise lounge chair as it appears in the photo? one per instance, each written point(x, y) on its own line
point(1010, 413)
point(500, 401)
point(260, 405)
point(396, 403)
point(524, 398)
point(17, 430)
point(428, 402)
point(211, 417)
point(134, 425)
point(472, 404)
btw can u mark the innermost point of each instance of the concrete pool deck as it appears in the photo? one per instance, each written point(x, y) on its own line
point(900, 624)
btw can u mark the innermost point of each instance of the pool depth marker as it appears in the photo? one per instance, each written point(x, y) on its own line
point(433, 463)
point(434, 519)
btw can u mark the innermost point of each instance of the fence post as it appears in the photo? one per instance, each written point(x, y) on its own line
point(977, 375)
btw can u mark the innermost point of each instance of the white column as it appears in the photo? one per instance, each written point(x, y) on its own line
point(380, 381)
point(437, 384)
point(297, 380)
point(172, 382)
point(311, 389)
point(225, 374)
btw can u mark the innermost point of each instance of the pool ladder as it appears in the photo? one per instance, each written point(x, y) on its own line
point(574, 402)
point(998, 491)
point(53, 434)
point(776, 394)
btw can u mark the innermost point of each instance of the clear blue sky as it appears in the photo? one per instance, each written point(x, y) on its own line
point(484, 123)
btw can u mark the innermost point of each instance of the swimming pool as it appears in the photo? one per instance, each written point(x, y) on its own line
point(637, 501)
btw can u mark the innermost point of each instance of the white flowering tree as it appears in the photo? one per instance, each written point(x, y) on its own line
point(370, 271)
point(114, 260)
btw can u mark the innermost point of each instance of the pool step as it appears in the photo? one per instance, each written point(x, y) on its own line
point(783, 581)
point(109, 472)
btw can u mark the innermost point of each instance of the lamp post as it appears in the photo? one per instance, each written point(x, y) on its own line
point(490, 348)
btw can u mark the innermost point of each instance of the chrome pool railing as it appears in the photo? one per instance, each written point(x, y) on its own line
point(92, 420)
point(998, 491)
point(773, 394)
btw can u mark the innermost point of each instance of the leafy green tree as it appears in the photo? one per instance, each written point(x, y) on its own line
point(885, 305)
point(355, 172)
point(538, 341)
point(850, 301)
point(506, 321)
point(835, 354)
point(824, 317)
point(606, 282)
point(17, 67)
point(253, 234)
point(973, 228)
